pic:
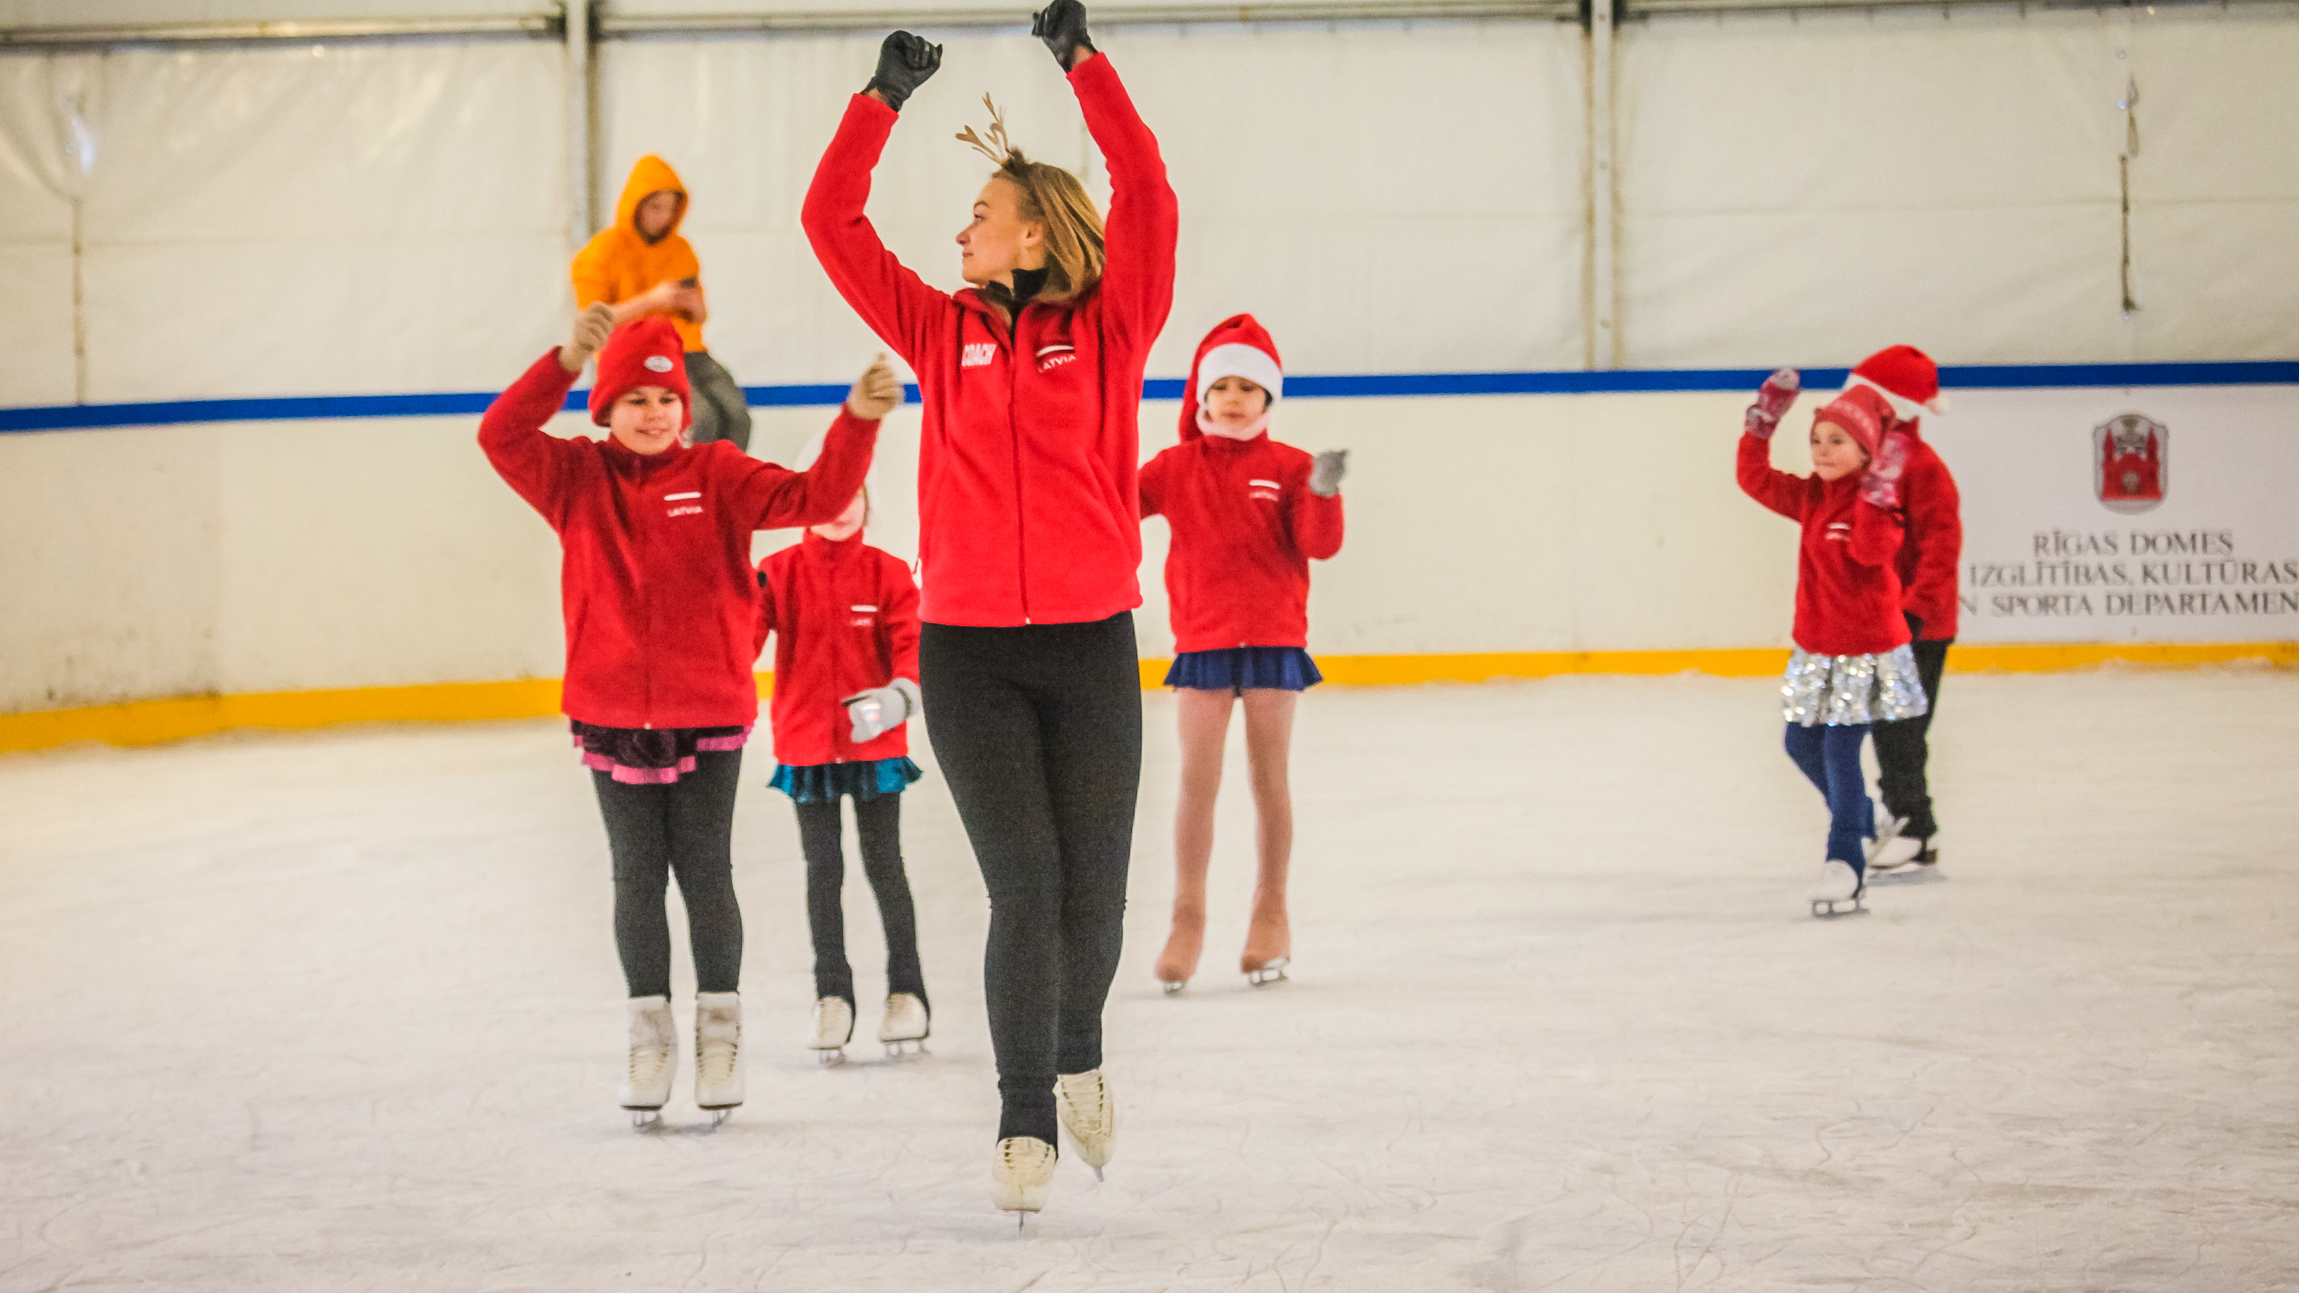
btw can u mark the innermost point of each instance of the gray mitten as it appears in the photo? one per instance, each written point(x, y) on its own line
point(882, 709)
point(1325, 477)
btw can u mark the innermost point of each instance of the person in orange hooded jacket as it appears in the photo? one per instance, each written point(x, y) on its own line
point(642, 267)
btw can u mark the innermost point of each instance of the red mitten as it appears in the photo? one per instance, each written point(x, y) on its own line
point(1881, 486)
point(1772, 400)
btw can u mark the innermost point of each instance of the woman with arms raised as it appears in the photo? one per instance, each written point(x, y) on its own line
point(1028, 546)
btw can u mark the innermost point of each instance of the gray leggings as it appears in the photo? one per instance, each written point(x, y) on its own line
point(685, 829)
point(721, 410)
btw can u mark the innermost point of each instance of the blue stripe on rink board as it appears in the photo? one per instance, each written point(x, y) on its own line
point(303, 408)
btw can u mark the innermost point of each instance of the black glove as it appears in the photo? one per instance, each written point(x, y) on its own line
point(1062, 25)
point(904, 63)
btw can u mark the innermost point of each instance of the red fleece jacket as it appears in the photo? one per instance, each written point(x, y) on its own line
point(1934, 549)
point(655, 580)
point(1847, 593)
point(1245, 528)
point(1029, 448)
point(844, 617)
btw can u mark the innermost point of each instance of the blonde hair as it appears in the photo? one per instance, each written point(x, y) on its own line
point(1055, 200)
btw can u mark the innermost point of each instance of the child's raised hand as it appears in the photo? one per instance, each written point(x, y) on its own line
point(904, 63)
point(876, 393)
point(1772, 401)
point(1325, 477)
point(592, 328)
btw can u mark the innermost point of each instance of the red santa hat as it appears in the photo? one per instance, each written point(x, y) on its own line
point(1238, 346)
point(643, 352)
point(1907, 379)
point(1862, 412)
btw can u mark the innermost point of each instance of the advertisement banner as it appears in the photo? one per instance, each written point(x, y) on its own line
point(2145, 514)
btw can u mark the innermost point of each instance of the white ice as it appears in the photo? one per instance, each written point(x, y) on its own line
point(340, 1011)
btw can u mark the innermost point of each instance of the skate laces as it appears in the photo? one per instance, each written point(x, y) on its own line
point(1087, 1098)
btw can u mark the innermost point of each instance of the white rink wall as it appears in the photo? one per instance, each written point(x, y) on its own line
point(282, 556)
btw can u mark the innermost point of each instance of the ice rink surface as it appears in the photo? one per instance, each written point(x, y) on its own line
point(341, 1011)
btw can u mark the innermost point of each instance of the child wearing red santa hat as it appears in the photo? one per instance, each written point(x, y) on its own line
point(1248, 515)
point(1910, 383)
point(1851, 666)
point(844, 616)
point(659, 605)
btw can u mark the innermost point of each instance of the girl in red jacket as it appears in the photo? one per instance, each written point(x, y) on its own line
point(659, 606)
point(1028, 545)
point(1851, 665)
point(1248, 516)
point(845, 620)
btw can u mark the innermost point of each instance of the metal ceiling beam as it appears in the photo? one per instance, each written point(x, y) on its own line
point(298, 31)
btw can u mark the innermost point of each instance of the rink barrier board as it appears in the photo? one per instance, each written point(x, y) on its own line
point(303, 408)
point(151, 722)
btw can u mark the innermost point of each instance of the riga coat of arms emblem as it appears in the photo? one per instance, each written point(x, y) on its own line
point(2130, 465)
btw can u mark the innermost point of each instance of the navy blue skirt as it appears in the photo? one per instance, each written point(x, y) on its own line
point(825, 783)
point(1237, 669)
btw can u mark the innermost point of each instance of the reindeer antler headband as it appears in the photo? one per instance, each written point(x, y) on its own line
point(998, 148)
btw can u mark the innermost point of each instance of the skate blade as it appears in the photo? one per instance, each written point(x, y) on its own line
point(1270, 972)
point(906, 1047)
point(1826, 908)
point(1173, 987)
point(646, 1119)
point(829, 1058)
point(718, 1117)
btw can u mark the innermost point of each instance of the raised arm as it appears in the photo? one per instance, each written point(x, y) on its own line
point(1144, 217)
point(1877, 530)
point(767, 497)
point(1777, 490)
point(896, 303)
point(533, 462)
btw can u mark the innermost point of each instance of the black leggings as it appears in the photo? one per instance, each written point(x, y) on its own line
point(1038, 731)
point(684, 827)
point(1902, 748)
point(879, 824)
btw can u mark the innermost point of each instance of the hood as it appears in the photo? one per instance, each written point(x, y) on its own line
point(650, 175)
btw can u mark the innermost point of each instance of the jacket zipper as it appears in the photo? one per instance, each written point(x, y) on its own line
point(1014, 435)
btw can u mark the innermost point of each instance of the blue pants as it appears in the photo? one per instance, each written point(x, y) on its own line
point(1830, 756)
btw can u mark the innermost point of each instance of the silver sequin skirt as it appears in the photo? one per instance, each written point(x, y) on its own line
point(1845, 690)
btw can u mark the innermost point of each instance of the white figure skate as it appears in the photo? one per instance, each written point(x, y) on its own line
point(1905, 853)
point(1838, 890)
point(833, 1028)
point(1021, 1176)
point(1090, 1114)
point(1268, 972)
point(718, 1084)
point(905, 1026)
point(653, 1060)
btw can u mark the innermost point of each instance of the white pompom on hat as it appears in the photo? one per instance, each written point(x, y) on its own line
point(1238, 346)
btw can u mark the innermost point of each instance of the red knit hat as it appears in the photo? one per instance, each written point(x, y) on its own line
point(1238, 346)
point(1860, 411)
point(643, 352)
point(1907, 379)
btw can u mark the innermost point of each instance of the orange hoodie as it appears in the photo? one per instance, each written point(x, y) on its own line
point(618, 264)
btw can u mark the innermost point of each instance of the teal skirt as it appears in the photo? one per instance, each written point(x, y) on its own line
point(826, 783)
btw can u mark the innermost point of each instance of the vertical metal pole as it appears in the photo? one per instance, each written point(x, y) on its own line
point(581, 119)
point(1603, 232)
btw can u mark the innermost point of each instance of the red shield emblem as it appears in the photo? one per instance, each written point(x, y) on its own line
point(2130, 462)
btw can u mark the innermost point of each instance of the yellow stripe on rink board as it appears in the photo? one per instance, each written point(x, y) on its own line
point(147, 722)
